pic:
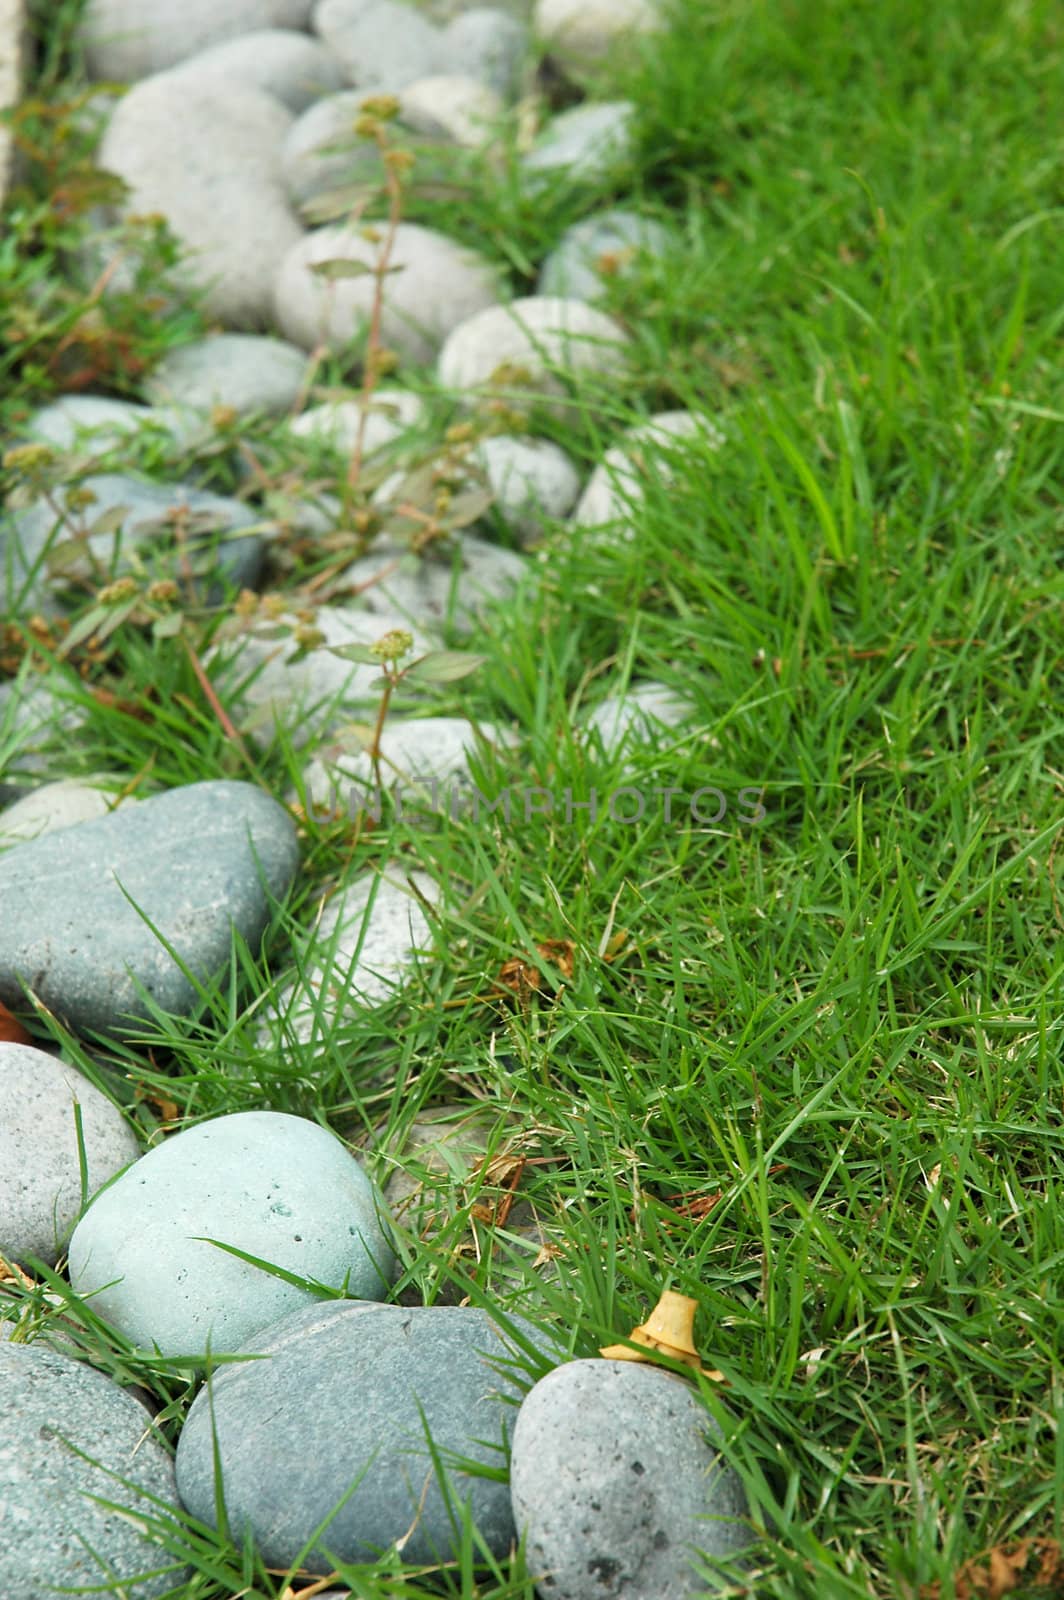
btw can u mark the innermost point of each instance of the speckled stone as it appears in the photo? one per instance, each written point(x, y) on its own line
point(35, 714)
point(204, 152)
point(194, 863)
point(335, 423)
point(581, 34)
point(382, 44)
point(322, 153)
point(267, 687)
point(450, 584)
point(617, 487)
point(451, 107)
point(532, 347)
point(531, 479)
point(40, 1173)
point(94, 422)
point(292, 67)
point(127, 39)
point(587, 144)
point(277, 1187)
point(361, 950)
point(341, 778)
point(596, 251)
point(642, 713)
point(490, 45)
point(56, 1535)
point(244, 372)
point(346, 1398)
point(58, 805)
point(433, 285)
point(616, 1477)
point(28, 538)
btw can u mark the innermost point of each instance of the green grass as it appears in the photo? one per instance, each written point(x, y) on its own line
point(846, 1020)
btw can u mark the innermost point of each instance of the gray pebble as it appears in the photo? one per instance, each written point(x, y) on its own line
point(321, 151)
point(412, 754)
point(433, 285)
point(582, 34)
point(390, 414)
point(34, 713)
point(449, 584)
point(382, 44)
point(205, 152)
point(616, 1477)
point(246, 372)
point(361, 950)
point(346, 1398)
point(277, 1187)
point(489, 45)
point(58, 805)
point(588, 144)
point(642, 714)
point(40, 1173)
point(57, 1535)
point(308, 696)
point(127, 39)
point(617, 487)
point(81, 904)
point(600, 248)
point(292, 67)
point(31, 542)
point(531, 348)
point(531, 479)
point(93, 421)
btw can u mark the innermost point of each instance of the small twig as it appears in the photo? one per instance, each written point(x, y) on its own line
point(213, 701)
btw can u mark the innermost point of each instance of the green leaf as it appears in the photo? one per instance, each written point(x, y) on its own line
point(341, 267)
point(167, 627)
point(355, 652)
point(444, 666)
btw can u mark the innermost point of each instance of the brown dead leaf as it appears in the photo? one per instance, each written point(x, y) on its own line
point(11, 1272)
point(11, 1030)
point(524, 979)
point(166, 1110)
point(1035, 1565)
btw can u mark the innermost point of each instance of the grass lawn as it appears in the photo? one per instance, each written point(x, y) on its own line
point(809, 1070)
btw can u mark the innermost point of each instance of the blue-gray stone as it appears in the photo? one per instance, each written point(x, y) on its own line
point(345, 1399)
point(54, 1535)
point(173, 529)
point(597, 250)
point(89, 911)
point(279, 1188)
point(617, 1480)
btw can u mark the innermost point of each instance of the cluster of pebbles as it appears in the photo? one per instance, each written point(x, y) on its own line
point(362, 1426)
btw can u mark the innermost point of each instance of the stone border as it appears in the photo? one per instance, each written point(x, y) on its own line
point(13, 45)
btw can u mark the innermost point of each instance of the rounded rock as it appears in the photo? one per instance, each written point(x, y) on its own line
point(58, 805)
point(335, 423)
point(295, 69)
point(597, 250)
point(341, 1408)
point(449, 584)
point(87, 909)
point(79, 1468)
point(617, 1479)
point(433, 285)
point(40, 1165)
point(531, 479)
point(587, 144)
point(642, 713)
point(128, 39)
point(205, 154)
point(451, 107)
point(489, 45)
point(381, 44)
point(243, 372)
point(530, 347)
point(581, 34)
point(94, 421)
point(274, 1186)
point(617, 486)
point(321, 151)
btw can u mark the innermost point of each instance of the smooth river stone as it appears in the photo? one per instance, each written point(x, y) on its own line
point(56, 1536)
point(40, 1170)
point(617, 1479)
point(80, 905)
point(346, 1398)
point(280, 1188)
point(126, 39)
point(533, 346)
